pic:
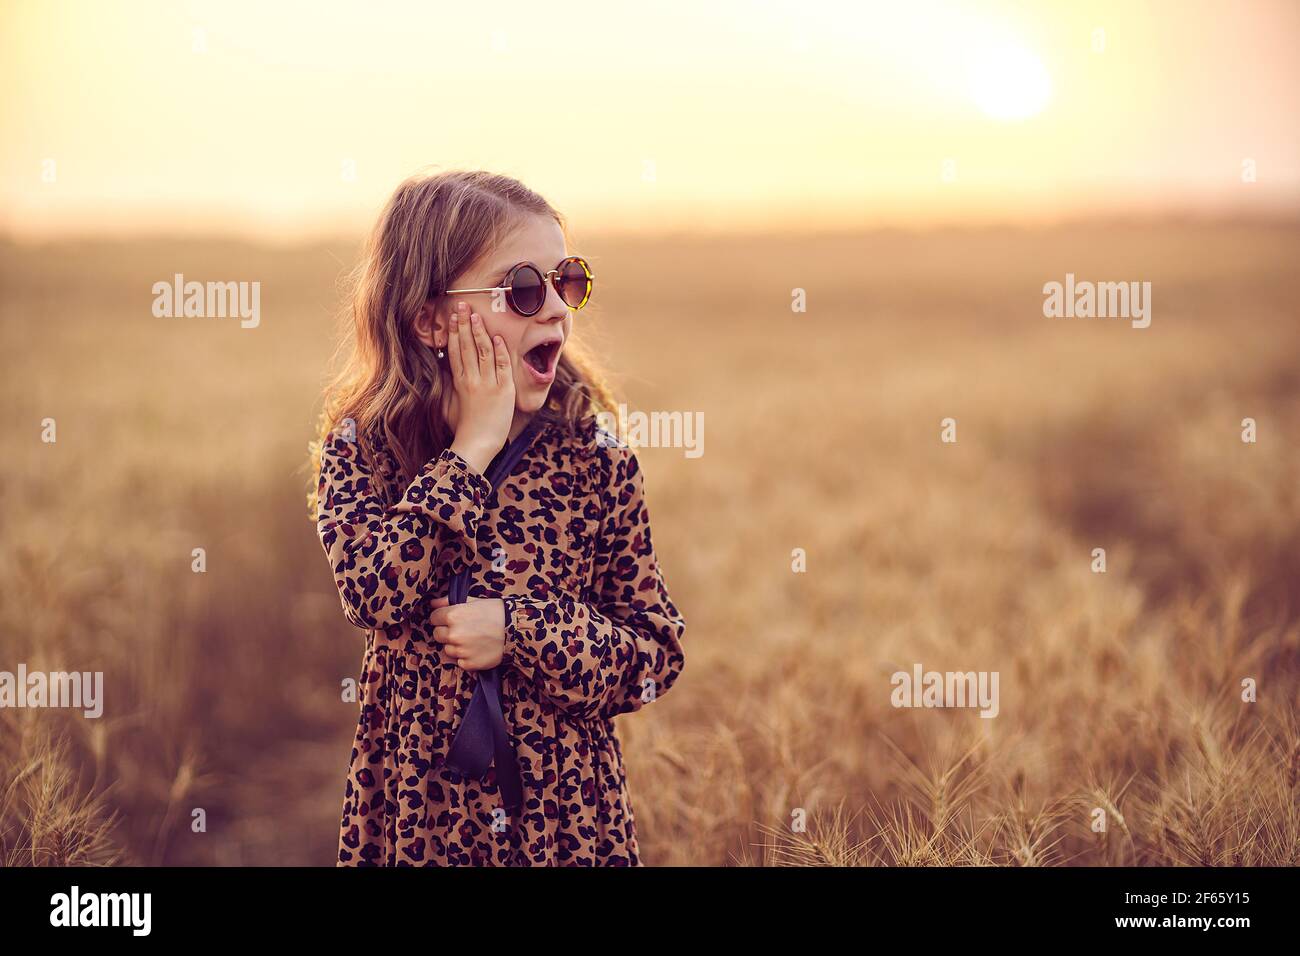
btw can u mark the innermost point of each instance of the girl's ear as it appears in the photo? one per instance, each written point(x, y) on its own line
point(431, 328)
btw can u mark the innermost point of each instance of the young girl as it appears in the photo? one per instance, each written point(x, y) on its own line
point(460, 458)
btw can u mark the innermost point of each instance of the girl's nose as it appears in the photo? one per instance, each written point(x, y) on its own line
point(554, 308)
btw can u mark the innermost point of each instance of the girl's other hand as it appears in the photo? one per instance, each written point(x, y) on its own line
point(473, 634)
point(485, 388)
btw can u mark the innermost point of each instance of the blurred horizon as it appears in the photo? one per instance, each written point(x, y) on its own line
point(284, 123)
point(1279, 220)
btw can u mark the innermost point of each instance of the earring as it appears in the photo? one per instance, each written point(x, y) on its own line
point(442, 354)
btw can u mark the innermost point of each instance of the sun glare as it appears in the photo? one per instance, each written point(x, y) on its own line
point(1008, 82)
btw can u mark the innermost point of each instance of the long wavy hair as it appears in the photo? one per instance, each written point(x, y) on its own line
point(388, 382)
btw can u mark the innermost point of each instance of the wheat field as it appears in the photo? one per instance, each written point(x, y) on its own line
point(1121, 692)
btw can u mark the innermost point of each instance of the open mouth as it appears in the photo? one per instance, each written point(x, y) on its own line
point(541, 357)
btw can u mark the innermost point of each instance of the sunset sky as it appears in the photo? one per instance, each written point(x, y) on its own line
point(288, 120)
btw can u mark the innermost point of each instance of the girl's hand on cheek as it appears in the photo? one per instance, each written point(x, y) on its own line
point(485, 388)
point(472, 635)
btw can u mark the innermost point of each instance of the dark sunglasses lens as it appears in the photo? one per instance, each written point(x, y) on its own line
point(527, 291)
point(574, 283)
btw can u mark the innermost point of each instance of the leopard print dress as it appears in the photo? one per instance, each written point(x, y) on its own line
point(591, 633)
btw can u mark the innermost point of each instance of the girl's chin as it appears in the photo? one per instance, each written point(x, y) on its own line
point(531, 399)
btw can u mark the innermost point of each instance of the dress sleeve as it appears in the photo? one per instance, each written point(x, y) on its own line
point(623, 650)
point(384, 557)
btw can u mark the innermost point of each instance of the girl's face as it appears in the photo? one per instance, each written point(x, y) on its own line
point(536, 341)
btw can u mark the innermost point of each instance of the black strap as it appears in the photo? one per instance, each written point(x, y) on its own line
point(482, 738)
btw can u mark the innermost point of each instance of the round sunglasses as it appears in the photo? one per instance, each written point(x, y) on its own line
point(525, 285)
